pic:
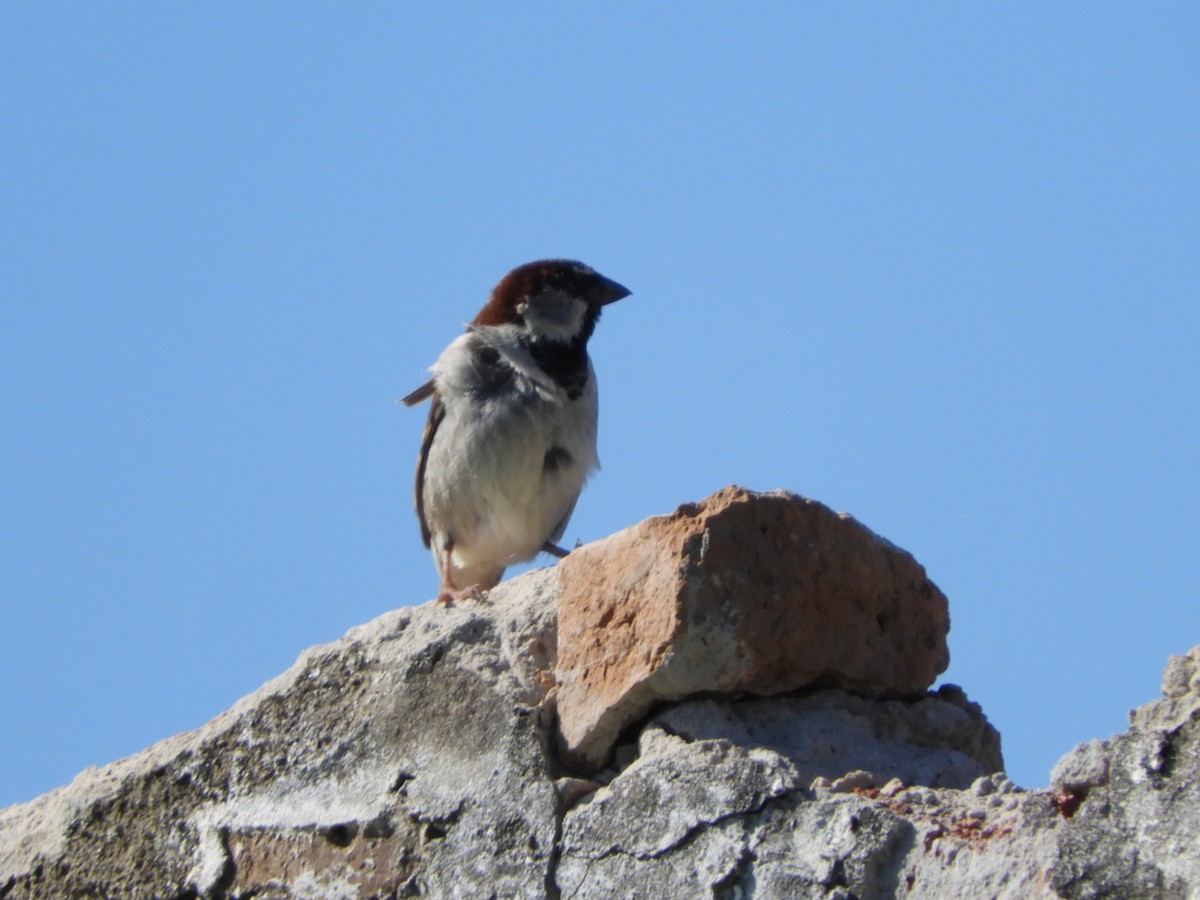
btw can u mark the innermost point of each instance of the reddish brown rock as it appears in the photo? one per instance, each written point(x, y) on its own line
point(761, 593)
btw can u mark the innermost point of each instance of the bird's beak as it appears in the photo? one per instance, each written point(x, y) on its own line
point(606, 291)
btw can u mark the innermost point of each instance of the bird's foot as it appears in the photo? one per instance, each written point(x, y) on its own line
point(447, 596)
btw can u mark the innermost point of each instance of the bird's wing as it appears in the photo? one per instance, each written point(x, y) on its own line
point(557, 533)
point(424, 392)
point(437, 412)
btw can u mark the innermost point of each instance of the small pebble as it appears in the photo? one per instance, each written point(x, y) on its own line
point(571, 790)
point(851, 781)
point(1002, 783)
point(892, 788)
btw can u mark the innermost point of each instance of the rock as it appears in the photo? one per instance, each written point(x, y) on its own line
point(417, 756)
point(853, 782)
point(832, 733)
point(1181, 693)
point(891, 789)
point(716, 818)
point(1082, 769)
point(1134, 801)
point(761, 593)
point(716, 802)
point(406, 757)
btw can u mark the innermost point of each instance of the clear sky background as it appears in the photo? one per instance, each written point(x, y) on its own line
point(933, 264)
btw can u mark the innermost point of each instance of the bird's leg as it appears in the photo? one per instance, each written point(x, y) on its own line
point(557, 551)
point(448, 593)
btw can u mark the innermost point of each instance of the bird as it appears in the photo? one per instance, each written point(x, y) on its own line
point(511, 434)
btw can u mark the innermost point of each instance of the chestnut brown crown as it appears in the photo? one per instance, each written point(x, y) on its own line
point(527, 283)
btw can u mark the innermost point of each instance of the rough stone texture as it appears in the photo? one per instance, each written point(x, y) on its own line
point(941, 740)
point(416, 757)
point(402, 760)
point(741, 592)
point(1135, 831)
point(717, 799)
point(717, 818)
point(1082, 769)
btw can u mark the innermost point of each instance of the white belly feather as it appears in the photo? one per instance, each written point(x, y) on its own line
point(504, 472)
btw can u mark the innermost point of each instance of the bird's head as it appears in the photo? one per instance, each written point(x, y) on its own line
point(553, 300)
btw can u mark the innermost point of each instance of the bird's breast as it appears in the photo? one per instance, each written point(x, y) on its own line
point(507, 466)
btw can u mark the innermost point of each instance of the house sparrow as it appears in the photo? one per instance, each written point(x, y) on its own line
point(511, 436)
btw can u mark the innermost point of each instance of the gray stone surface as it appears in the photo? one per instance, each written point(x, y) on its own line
point(717, 803)
point(935, 741)
point(1136, 832)
point(416, 757)
point(1083, 768)
point(404, 759)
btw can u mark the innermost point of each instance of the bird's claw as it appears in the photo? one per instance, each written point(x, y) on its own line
point(449, 596)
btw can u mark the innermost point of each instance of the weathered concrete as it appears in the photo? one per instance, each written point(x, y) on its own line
point(1136, 830)
point(406, 757)
point(417, 757)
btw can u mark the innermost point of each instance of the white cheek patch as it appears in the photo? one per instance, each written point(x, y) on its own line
point(555, 316)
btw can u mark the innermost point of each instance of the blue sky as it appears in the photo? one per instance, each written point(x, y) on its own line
point(933, 264)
